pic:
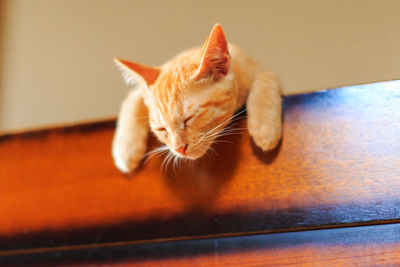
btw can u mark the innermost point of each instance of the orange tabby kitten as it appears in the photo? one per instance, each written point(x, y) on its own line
point(189, 100)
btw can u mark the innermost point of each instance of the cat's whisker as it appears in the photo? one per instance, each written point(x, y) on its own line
point(223, 141)
point(232, 131)
point(164, 165)
point(226, 132)
point(154, 155)
point(183, 161)
point(175, 163)
point(178, 162)
point(207, 154)
point(232, 118)
point(191, 163)
point(229, 120)
point(221, 134)
point(237, 118)
point(232, 125)
point(214, 138)
point(221, 124)
point(171, 159)
point(228, 129)
point(209, 148)
point(156, 152)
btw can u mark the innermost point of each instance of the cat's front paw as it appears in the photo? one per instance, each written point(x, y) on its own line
point(266, 137)
point(126, 159)
point(267, 144)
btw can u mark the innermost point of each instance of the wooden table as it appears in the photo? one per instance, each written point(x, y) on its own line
point(330, 193)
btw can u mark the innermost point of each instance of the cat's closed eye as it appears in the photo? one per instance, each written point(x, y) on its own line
point(185, 122)
point(161, 129)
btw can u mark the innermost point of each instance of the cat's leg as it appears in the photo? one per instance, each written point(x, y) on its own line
point(130, 138)
point(264, 109)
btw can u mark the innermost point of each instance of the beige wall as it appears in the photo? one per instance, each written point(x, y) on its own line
point(2, 16)
point(56, 55)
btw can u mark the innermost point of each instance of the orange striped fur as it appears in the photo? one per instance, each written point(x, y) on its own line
point(188, 101)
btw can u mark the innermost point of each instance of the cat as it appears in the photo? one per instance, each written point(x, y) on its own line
point(188, 101)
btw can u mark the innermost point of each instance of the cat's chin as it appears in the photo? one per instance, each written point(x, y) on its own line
point(191, 155)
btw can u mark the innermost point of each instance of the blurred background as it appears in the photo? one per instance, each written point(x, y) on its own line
point(56, 56)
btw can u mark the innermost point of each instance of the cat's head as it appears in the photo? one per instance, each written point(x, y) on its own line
point(190, 98)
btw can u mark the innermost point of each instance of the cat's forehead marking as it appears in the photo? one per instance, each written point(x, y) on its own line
point(170, 95)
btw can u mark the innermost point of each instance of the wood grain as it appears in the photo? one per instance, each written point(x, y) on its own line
point(353, 246)
point(338, 163)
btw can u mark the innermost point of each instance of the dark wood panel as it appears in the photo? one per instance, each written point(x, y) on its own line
point(353, 246)
point(338, 163)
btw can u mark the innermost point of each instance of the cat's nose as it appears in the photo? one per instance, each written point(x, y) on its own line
point(182, 149)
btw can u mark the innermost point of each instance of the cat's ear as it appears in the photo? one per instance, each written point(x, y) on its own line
point(215, 60)
point(134, 72)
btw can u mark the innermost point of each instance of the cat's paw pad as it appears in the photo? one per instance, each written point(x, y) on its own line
point(125, 161)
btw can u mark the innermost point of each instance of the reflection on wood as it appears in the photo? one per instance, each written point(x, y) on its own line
point(338, 163)
point(354, 246)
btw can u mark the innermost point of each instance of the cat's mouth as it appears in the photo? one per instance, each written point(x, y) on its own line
point(192, 153)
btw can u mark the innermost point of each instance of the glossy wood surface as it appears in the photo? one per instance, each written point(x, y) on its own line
point(354, 246)
point(338, 163)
